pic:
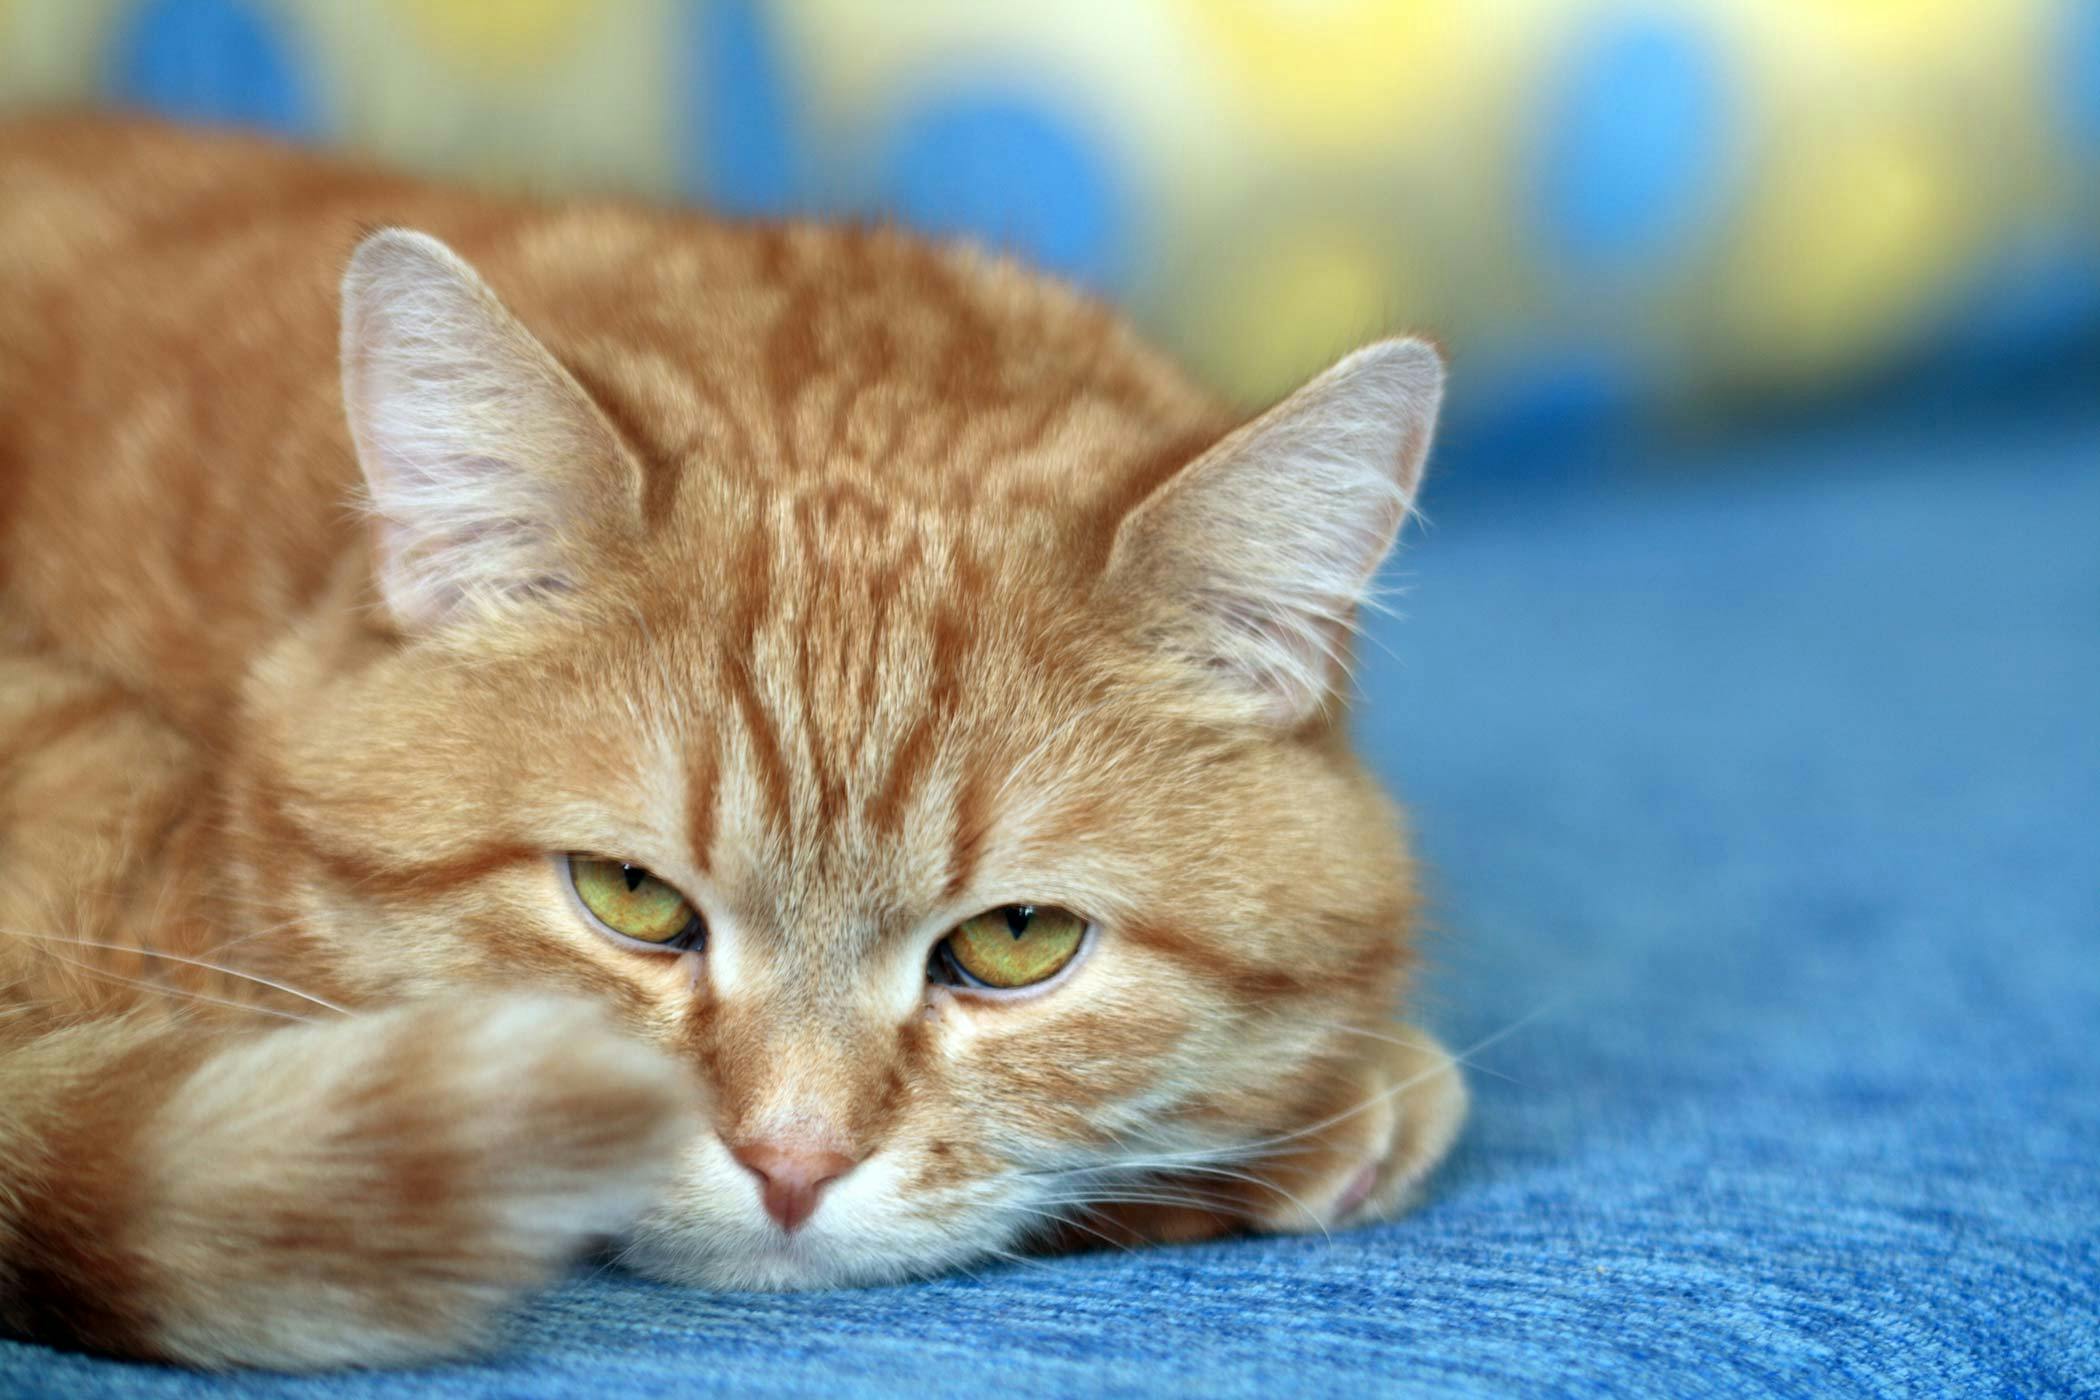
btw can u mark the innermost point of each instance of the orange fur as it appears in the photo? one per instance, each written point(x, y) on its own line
point(851, 584)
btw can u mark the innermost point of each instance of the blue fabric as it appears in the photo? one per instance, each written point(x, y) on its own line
point(1764, 810)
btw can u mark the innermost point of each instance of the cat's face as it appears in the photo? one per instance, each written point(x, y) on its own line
point(986, 850)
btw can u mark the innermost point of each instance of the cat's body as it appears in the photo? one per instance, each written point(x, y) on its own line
point(851, 586)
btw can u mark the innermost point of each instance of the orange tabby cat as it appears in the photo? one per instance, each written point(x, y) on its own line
point(815, 755)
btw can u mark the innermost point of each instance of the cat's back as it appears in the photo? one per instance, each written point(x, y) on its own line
point(170, 445)
point(123, 241)
point(174, 464)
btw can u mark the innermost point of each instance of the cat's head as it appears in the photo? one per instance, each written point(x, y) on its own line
point(898, 694)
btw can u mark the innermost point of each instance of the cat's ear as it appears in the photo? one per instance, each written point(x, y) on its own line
point(486, 464)
point(1253, 561)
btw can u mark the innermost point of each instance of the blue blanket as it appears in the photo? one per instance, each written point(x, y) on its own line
point(1763, 806)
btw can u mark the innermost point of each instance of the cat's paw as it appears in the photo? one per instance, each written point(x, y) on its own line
point(375, 1190)
point(1362, 1154)
point(1375, 1153)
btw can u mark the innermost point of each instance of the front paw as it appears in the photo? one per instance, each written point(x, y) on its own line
point(1374, 1155)
point(373, 1191)
point(1360, 1152)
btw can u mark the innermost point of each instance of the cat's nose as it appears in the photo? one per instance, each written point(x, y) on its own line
point(790, 1175)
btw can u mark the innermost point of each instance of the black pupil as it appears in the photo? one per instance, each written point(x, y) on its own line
point(635, 875)
point(1017, 917)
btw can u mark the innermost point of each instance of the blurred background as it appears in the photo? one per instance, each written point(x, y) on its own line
point(1746, 687)
point(1617, 216)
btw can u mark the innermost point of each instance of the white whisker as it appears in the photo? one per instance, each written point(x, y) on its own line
point(187, 962)
point(179, 993)
point(1422, 1043)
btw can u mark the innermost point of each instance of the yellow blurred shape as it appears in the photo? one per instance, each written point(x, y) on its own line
point(499, 37)
point(1337, 70)
point(53, 52)
point(1906, 31)
point(423, 95)
point(1843, 252)
point(1263, 324)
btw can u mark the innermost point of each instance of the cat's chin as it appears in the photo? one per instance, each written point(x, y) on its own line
point(710, 1230)
point(775, 1264)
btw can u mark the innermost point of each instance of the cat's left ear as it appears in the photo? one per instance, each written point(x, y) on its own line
point(487, 466)
point(1252, 562)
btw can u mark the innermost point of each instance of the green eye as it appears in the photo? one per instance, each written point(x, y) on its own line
point(635, 904)
point(1015, 945)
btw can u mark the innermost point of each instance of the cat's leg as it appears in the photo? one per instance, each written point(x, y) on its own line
point(93, 788)
point(1359, 1151)
point(366, 1190)
point(176, 1183)
point(1368, 1159)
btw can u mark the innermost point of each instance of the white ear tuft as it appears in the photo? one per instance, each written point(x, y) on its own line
point(484, 460)
point(1253, 560)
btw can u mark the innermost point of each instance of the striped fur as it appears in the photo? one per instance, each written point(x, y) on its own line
point(852, 584)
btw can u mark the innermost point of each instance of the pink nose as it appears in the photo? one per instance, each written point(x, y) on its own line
point(790, 1176)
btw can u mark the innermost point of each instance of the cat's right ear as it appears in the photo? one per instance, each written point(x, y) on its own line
point(487, 467)
point(1252, 562)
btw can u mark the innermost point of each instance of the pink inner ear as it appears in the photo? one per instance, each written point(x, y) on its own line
point(1256, 558)
point(481, 453)
point(1243, 637)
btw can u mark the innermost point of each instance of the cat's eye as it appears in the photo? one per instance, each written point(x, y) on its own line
point(633, 903)
point(1015, 945)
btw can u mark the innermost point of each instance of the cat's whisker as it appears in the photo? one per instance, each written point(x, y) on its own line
point(1227, 1174)
point(179, 958)
point(1062, 1220)
point(1419, 1043)
point(180, 993)
point(614, 1259)
point(1207, 1169)
point(1137, 1181)
point(1013, 1256)
point(231, 900)
point(1393, 1091)
point(1131, 1181)
point(1278, 1144)
point(1138, 1199)
point(267, 931)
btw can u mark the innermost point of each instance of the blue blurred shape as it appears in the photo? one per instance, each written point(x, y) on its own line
point(1012, 175)
point(2081, 70)
point(743, 156)
point(1633, 144)
point(212, 61)
point(2036, 299)
point(1534, 416)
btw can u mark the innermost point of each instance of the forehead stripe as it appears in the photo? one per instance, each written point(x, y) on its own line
point(269, 811)
point(765, 745)
point(968, 840)
point(915, 755)
point(702, 798)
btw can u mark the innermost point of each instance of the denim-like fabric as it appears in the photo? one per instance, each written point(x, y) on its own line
point(1763, 811)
